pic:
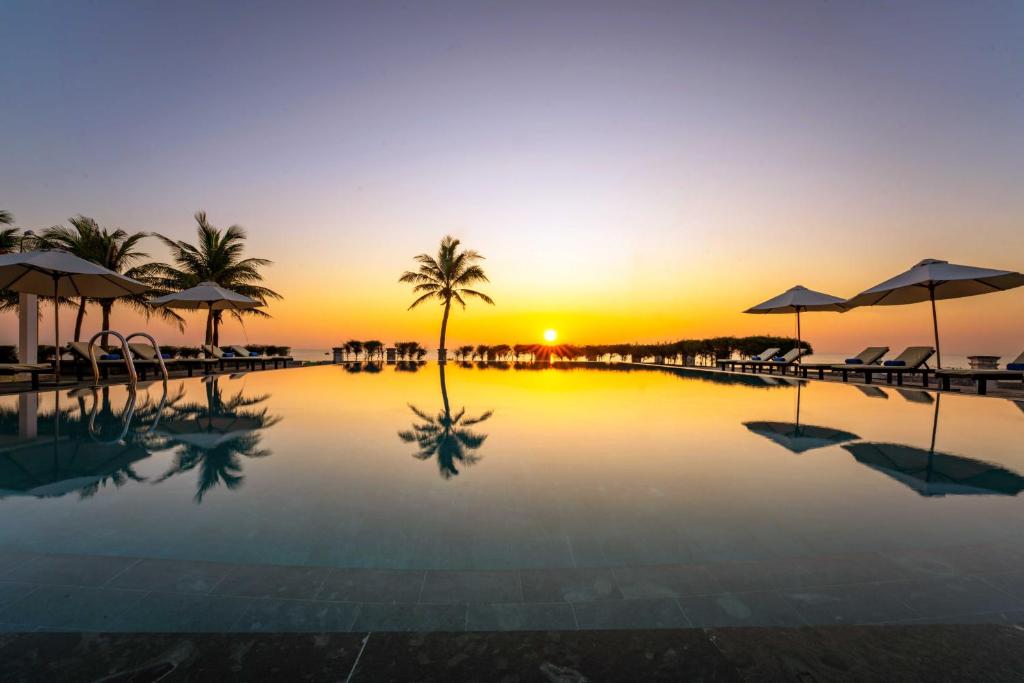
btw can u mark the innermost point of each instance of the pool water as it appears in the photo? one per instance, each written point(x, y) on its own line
point(588, 486)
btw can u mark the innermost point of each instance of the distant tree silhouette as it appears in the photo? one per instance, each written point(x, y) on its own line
point(355, 347)
point(373, 348)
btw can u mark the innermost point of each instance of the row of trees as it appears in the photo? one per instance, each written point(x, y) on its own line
point(373, 349)
point(687, 351)
point(216, 256)
point(690, 351)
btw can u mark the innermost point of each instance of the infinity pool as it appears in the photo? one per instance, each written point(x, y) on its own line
point(421, 497)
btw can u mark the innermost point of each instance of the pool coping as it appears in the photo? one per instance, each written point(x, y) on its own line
point(843, 653)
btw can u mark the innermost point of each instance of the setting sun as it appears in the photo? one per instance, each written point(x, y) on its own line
point(550, 335)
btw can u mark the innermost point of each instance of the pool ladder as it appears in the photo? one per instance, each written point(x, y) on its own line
point(133, 375)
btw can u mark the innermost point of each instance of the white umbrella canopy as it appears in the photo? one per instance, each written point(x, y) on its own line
point(932, 280)
point(57, 273)
point(208, 296)
point(797, 299)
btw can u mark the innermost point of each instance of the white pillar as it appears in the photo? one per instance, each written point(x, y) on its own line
point(28, 328)
point(28, 412)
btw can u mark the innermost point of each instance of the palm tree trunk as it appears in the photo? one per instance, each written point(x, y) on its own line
point(79, 319)
point(105, 306)
point(216, 328)
point(444, 325)
point(209, 327)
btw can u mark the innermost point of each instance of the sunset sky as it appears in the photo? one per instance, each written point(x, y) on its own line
point(632, 171)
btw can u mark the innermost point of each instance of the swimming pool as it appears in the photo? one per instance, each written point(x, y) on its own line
point(422, 497)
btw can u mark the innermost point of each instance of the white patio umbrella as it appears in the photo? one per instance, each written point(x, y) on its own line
point(57, 273)
point(799, 299)
point(931, 280)
point(209, 296)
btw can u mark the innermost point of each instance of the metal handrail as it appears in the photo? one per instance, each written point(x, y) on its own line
point(156, 347)
point(133, 376)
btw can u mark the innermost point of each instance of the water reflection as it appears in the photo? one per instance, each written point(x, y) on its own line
point(797, 437)
point(926, 471)
point(77, 449)
point(446, 435)
point(871, 392)
point(936, 474)
point(213, 436)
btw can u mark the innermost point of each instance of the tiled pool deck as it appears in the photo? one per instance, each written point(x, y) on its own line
point(955, 584)
point(828, 653)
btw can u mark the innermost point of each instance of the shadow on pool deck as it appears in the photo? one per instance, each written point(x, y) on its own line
point(834, 653)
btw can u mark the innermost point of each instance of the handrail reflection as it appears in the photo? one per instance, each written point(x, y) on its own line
point(62, 450)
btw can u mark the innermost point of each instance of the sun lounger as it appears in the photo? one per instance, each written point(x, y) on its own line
point(145, 352)
point(283, 360)
point(1013, 372)
point(33, 369)
point(868, 356)
point(913, 361)
point(260, 358)
point(780, 363)
point(731, 363)
point(80, 359)
point(224, 357)
point(770, 364)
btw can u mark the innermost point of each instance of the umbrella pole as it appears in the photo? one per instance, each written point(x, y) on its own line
point(935, 327)
point(799, 344)
point(56, 330)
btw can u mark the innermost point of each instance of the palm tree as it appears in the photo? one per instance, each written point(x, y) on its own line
point(373, 348)
point(446, 277)
point(216, 257)
point(117, 251)
point(81, 240)
point(9, 237)
point(446, 436)
point(464, 352)
point(355, 347)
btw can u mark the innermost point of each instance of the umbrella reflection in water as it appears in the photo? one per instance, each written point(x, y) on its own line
point(212, 436)
point(936, 474)
point(797, 437)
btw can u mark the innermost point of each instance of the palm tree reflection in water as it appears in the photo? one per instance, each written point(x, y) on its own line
point(446, 436)
point(213, 437)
